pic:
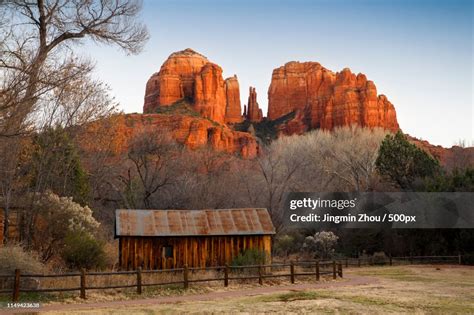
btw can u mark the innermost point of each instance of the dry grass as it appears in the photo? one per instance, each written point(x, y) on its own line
point(406, 289)
point(160, 290)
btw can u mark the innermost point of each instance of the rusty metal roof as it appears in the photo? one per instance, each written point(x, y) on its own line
point(130, 222)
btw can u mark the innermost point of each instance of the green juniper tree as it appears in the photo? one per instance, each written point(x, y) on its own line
point(403, 162)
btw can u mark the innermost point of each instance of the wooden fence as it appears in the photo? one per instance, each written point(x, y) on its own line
point(224, 274)
point(180, 276)
point(402, 260)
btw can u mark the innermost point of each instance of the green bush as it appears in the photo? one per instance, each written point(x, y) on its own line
point(82, 250)
point(403, 162)
point(249, 257)
point(284, 245)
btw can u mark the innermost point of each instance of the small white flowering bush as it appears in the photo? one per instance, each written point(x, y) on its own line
point(322, 244)
point(57, 217)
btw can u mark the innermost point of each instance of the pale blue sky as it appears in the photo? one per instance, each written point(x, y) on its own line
point(418, 53)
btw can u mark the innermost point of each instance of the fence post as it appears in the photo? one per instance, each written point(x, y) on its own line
point(317, 270)
point(347, 263)
point(139, 280)
point(185, 276)
point(226, 275)
point(16, 286)
point(260, 274)
point(334, 269)
point(292, 271)
point(358, 262)
point(390, 257)
point(83, 283)
point(459, 259)
point(340, 269)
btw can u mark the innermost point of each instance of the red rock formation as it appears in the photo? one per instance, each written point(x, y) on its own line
point(175, 80)
point(189, 75)
point(324, 99)
point(451, 158)
point(193, 132)
point(253, 112)
point(233, 107)
point(209, 93)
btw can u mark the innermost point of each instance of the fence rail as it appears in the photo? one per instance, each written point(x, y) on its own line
point(401, 260)
point(183, 276)
point(227, 273)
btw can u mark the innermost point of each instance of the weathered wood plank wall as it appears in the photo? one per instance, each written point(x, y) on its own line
point(195, 251)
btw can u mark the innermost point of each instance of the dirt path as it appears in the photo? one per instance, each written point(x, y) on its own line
point(349, 280)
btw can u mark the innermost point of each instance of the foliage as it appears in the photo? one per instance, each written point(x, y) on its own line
point(82, 250)
point(458, 180)
point(322, 244)
point(403, 162)
point(67, 215)
point(16, 257)
point(249, 257)
point(379, 258)
point(56, 165)
point(283, 245)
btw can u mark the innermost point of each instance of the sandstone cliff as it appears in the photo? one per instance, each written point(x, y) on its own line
point(233, 112)
point(252, 111)
point(192, 131)
point(190, 76)
point(189, 98)
point(455, 157)
point(323, 99)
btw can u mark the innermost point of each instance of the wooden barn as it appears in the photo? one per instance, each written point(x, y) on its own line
point(13, 226)
point(166, 239)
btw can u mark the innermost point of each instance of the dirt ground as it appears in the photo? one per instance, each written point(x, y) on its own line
point(368, 290)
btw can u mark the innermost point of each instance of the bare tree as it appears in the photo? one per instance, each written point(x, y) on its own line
point(279, 166)
point(354, 151)
point(39, 72)
point(40, 33)
point(152, 157)
point(54, 162)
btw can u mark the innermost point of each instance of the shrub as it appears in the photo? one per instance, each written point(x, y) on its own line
point(15, 257)
point(322, 244)
point(468, 259)
point(284, 244)
point(67, 217)
point(82, 250)
point(249, 257)
point(379, 258)
point(403, 162)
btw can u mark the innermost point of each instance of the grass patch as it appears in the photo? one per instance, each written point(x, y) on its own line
point(417, 274)
point(394, 273)
point(38, 297)
point(292, 296)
